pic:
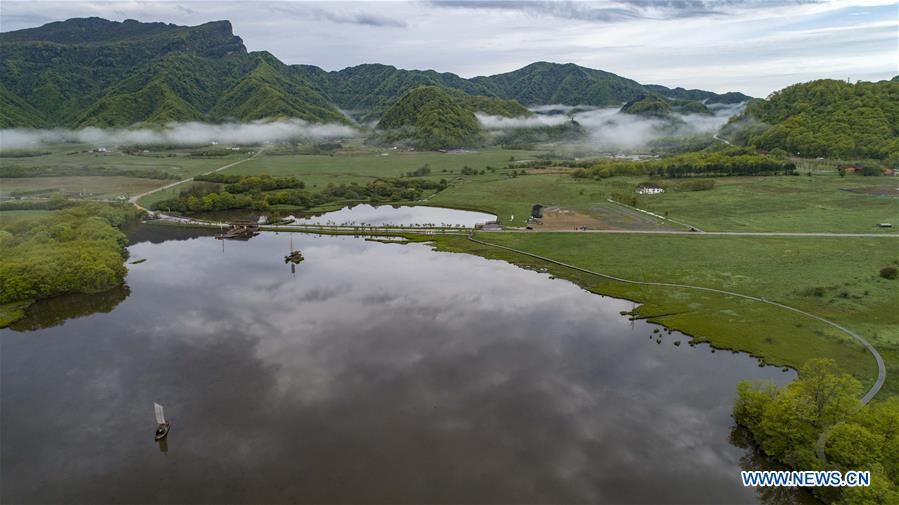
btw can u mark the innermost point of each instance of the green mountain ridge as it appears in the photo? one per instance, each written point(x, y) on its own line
point(431, 117)
point(95, 72)
point(824, 118)
point(120, 74)
point(698, 95)
point(647, 106)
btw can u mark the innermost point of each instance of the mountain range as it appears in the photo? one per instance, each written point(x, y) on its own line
point(94, 72)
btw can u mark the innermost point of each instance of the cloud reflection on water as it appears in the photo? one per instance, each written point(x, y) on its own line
point(379, 373)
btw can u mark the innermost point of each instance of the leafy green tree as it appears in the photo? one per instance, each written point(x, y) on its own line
point(854, 447)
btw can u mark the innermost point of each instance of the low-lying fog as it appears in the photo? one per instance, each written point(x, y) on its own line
point(192, 133)
point(606, 127)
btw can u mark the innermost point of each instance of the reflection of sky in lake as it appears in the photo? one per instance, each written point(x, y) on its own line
point(379, 373)
point(402, 215)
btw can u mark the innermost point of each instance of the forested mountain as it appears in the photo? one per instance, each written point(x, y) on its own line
point(568, 84)
point(431, 117)
point(371, 89)
point(698, 95)
point(94, 72)
point(647, 105)
point(825, 118)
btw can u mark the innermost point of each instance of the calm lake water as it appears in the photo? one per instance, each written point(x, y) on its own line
point(399, 215)
point(376, 373)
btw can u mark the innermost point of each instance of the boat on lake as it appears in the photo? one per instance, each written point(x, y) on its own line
point(162, 426)
point(295, 256)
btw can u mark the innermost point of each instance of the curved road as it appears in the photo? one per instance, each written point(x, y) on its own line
point(133, 200)
point(881, 368)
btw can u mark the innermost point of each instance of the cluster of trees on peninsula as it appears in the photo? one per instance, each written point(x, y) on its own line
point(827, 118)
point(74, 250)
point(727, 162)
point(787, 423)
point(262, 192)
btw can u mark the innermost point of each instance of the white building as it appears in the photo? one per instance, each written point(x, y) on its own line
point(649, 190)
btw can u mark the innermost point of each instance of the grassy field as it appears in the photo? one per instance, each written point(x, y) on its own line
point(12, 216)
point(92, 186)
point(172, 161)
point(364, 165)
point(791, 204)
point(110, 173)
point(831, 277)
point(784, 204)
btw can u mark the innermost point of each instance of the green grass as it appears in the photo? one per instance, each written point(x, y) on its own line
point(364, 165)
point(172, 161)
point(776, 204)
point(13, 216)
point(511, 198)
point(786, 204)
point(785, 270)
point(73, 160)
point(93, 186)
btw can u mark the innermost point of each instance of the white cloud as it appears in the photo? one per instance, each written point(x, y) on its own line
point(191, 133)
point(608, 129)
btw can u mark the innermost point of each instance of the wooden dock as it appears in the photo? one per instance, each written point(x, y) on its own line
point(240, 230)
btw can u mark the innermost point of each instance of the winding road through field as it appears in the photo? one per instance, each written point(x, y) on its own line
point(133, 200)
point(881, 367)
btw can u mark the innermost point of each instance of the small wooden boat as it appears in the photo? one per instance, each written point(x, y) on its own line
point(294, 257)
point(162, 426)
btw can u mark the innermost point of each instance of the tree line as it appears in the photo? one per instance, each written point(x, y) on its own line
point(262, 192)
point(74, 250)
point(729, 162)
point(786, 423)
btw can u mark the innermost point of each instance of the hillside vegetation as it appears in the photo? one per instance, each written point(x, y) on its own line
point(94, 72)
point(828, 118)
point(74, 250)
point(429, 117)
point(648, 106)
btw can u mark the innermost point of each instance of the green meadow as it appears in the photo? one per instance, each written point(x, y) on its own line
point(832, 277)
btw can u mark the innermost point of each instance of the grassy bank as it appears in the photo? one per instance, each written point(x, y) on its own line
point(824, 276)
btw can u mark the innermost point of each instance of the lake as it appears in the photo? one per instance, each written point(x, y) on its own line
point(374, 373)
point(382, 215)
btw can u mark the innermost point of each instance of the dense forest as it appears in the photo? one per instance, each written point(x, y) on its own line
point(263, 192)
point(430, 117)
point(787, 423)
point(732, 161)
point(828, 118)
point(78, 249)
point(647, 105)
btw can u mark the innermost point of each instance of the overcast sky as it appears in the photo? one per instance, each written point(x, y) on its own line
point(753, 46)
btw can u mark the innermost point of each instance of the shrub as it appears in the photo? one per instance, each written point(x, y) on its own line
point(889, 272)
